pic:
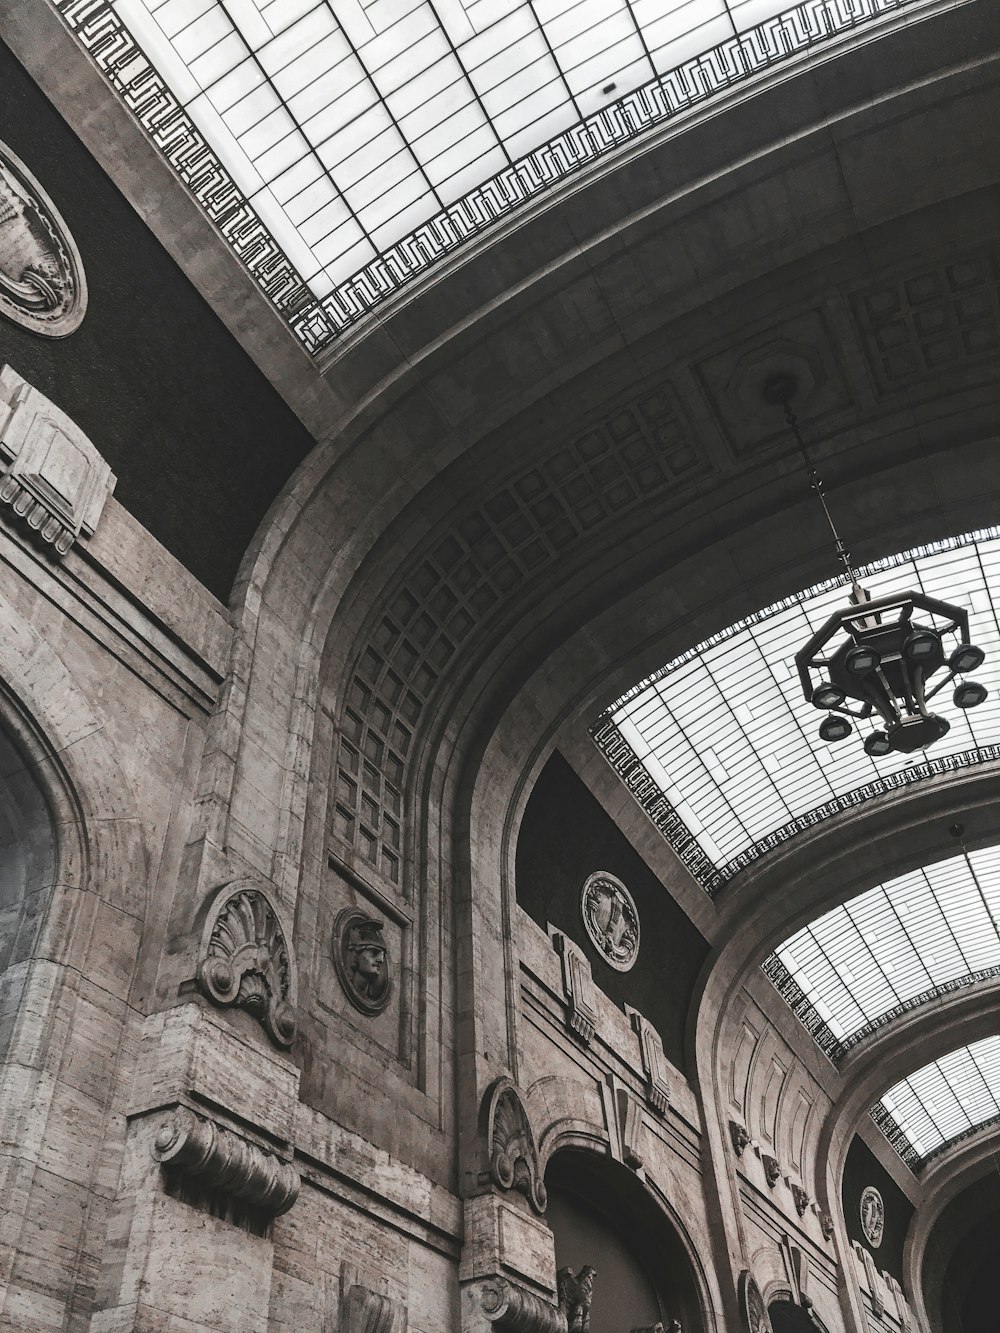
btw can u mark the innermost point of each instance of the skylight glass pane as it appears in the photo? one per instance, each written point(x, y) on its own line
point(945, 1100)
point(896, 944)
point(725, 732)
point(468, 84)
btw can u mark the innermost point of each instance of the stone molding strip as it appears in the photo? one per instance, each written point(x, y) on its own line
point(223, 1160)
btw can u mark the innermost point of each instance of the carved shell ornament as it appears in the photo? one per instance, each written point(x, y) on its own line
point(611, 919)
point(246, 962)
point(513, 1152)
point(42, 283)
point(872, 1216)
point(752, 1305)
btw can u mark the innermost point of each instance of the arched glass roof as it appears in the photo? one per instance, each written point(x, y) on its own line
point(343, 146)
point(892, 948)
point(943, 1102)
point(721, 749)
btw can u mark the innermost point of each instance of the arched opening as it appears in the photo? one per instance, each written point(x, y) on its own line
point(787, 1317)
point(601, 1215)
point(27, 856)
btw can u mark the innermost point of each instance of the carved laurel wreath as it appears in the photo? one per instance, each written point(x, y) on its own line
point(245, 960)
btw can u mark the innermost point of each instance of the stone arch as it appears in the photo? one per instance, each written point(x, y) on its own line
point(647, 1226)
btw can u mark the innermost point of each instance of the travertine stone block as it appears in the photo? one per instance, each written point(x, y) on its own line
point(190, 1052)
point(502, 1237)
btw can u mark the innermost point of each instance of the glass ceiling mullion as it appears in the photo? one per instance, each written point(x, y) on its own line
point(642, 38)
point(311, 151)
point(555, 60)
point(487, 118)
point(913, 944)
point(385, 105)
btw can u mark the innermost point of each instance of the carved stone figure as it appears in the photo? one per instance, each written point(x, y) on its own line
point(42, 285)
point(513, 1153)
point(246, 962)
point(361, 957)
point(611, 919)
point(800, 1198)
point(772, 1170)
point(872, 1216)
point(739, 1136)
point(575, 1297)
point(826, 1225)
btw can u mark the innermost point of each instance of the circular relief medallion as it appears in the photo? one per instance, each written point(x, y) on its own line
point(361, 958)
point(611, 919)
point(872, 1216)
point(42, 284)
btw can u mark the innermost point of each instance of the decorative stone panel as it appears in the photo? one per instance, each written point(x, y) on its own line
point(245, 959)
point(654, 1062)
point(51, 476)
point(539, 518)
point(42, 283)
point(578, 987)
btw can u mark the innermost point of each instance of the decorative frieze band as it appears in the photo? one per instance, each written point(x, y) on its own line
point(222, 1160)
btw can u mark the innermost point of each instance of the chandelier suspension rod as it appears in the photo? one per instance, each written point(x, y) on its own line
point(816, 482)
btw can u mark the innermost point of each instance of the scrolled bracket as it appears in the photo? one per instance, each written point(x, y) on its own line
point(223, 1161)
point(245, 959)
point(511, 1309)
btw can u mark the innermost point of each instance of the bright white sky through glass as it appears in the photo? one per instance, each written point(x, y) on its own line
point(727, 736)
point(898, 940)
point(949, 1097)
point(349, 123)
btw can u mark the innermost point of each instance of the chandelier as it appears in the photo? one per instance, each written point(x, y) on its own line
point(882, 659)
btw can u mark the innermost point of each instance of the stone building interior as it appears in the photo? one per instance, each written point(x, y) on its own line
point(498, 520)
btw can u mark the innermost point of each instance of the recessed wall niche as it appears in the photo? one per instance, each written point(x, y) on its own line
point(348, 898)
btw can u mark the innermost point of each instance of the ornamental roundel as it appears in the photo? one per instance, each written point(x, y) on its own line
point(611, 919)
point(42, 284)
point(872, 1216)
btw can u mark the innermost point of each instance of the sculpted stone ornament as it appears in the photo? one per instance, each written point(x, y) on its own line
point(361, 958)
point(800, 1198)
point(772, 1170)
point(42, 285)
point(365, 1310)
point(514, 1310)
point(246, 962)
point(51, 476)
point(512, 1148)
point(611, 919)
point(223, 1161)
point(872, 1216)
point(740, 1137)
point(575, 1296)
point(752, 1305)
point(826, 1225)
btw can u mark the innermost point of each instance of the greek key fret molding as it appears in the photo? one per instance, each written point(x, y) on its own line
point(578, 987)
point(51, 476)
point(316, 322)
point(654, 1062)
point(224, 1165)
point(513, 1152)
point(364, 1308)
point(245, 960)
point(511, 1309)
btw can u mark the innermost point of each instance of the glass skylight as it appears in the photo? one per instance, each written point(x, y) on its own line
point(722, 750)
point(342, 146)
point(892, 947)
point(943, 1101)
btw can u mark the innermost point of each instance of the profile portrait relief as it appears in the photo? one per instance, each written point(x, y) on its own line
point(361, 957)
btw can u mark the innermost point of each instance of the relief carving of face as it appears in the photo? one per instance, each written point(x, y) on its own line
point(361, 957)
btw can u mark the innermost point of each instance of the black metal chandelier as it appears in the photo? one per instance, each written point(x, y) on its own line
point(885, 658)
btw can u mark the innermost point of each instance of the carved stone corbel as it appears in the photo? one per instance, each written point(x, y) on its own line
point(826, 1225)
point(654, 1062)
point(799, 1197)
point(740, 1137)
point(772, 1169)
point(578, 987)
point(511, 1143)
point(513, 1310)
point(245, 960)
point(364, 1310)
point(631, 1131)
point(223, 1161)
